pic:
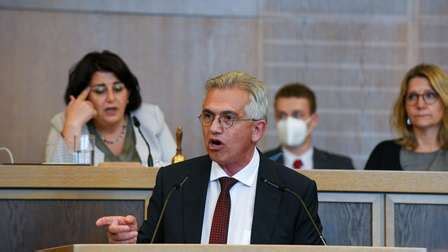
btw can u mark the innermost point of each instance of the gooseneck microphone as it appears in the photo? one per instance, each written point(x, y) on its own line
point(137, 124)
point(175, 187)
point(298, 197)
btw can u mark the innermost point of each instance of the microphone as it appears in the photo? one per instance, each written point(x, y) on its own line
point(137, 124)
point(297, 196)
point(162, 212)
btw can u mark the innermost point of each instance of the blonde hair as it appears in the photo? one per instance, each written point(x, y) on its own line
point(258, 105)
point(438, 80)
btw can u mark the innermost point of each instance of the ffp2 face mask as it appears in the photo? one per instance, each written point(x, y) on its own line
point(292, 131)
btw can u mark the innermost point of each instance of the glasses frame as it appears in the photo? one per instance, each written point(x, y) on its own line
point(219, 116)
point(423, 96)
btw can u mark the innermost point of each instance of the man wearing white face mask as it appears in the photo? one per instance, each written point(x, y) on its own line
point(296, 118)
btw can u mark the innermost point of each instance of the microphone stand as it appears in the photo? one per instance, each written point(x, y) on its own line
point(297, 196)
point(162, 212)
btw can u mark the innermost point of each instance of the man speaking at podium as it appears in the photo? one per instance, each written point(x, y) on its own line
point(233, 195)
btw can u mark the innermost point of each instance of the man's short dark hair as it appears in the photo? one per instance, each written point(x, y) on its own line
point(297, 90)
point(82, 72)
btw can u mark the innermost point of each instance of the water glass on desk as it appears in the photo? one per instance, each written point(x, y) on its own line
point(84, 149)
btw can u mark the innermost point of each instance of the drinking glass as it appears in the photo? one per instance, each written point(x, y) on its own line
point(84, 149)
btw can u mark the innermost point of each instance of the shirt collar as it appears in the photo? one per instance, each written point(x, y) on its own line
point(246, 176)
point(306, 158)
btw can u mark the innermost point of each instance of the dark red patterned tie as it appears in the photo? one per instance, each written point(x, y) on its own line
point(220, 223)
point(297, 164)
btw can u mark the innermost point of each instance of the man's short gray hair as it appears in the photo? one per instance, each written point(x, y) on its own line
point(258, 105)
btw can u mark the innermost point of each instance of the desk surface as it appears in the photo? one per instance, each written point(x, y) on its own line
point(223, 248)
point(43, 176)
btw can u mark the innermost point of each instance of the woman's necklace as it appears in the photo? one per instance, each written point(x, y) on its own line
point(118, 138)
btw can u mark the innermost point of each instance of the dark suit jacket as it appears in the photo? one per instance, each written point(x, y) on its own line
point(278, 217)
point(321, 159)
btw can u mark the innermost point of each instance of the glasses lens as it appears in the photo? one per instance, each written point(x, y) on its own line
point(412, 97)
point(430, 97)
point(206, 118)
point(227, 119)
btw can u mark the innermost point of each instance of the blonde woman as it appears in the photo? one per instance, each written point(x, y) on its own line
point(420, 119)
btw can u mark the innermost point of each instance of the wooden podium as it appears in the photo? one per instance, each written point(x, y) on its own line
point(221, 248)
point(48, 206)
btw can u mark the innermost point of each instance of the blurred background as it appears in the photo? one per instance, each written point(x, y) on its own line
point(353, 53)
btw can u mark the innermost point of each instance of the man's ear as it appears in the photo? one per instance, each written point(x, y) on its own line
point(314, 121)
point(258, 129)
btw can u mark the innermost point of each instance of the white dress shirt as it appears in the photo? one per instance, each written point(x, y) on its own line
point(306, 158)
point(242, 196)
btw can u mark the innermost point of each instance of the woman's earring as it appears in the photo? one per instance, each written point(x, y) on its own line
point(408, 121)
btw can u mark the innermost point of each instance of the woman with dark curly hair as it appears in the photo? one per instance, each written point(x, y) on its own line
point(420, 117)
point(103, 99)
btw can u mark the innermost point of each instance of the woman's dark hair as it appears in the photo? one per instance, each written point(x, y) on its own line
point(105, 61)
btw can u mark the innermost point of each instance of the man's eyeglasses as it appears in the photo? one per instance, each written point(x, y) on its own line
point(429, 97)
point(226, 119)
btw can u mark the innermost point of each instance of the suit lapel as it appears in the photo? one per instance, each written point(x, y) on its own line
point(318, 159)
point(277, 155)
point(267, 202)
point(281, 159)
point(194, 195)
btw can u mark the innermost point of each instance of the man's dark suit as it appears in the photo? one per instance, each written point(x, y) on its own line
point(278, 217)
point(321, 159)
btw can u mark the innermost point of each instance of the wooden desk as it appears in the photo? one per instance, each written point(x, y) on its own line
point(222, 248)
point(383, 208)
point(48, 206)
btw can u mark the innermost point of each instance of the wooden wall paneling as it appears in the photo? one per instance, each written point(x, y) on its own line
point(417, 220)
point(219, 8)
point(172, 56)
point(352, 53)
point(352, 218)
point(431, 22)
point(36, 219)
